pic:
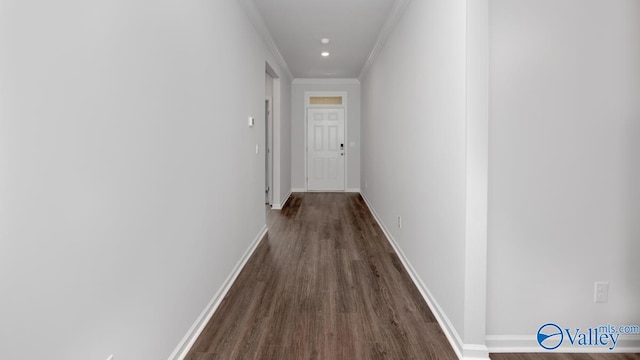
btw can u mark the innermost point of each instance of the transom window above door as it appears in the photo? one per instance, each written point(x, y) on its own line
point(325, 100)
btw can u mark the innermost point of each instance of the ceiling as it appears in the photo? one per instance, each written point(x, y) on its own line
point(353, 26)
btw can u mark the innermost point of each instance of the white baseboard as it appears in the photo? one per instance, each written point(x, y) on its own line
point(281, 204)
point(474, 352)
point(348, 190)
point(512, 343)
point(463, 351)
point(528, 344)
point(190, 338)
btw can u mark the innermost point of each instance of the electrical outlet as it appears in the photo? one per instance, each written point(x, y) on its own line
point(601, 292)
point(365, 184)
point(399, 222)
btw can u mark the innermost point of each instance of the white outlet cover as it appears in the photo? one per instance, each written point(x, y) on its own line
point(601, 292)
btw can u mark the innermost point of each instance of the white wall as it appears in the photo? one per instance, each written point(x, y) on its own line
point(420, 147)
point(298, 118)
point(564, 205)
point(285, 141)
point(129, 183)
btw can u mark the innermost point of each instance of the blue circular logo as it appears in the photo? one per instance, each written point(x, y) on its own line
point(550, 336)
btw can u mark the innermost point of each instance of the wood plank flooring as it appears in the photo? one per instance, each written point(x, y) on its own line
point(561, 356)
point(325, 284)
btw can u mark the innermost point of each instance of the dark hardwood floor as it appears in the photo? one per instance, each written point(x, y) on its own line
point(325, 284)
point(561, 356)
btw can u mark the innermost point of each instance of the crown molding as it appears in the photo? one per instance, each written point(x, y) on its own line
point(399, 7)
point(323, 81)
point(258, 22)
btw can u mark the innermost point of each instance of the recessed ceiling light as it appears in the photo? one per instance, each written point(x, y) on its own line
point(325, 54)
point(325, 41)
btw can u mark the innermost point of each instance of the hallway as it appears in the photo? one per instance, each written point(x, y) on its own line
point(324, 283)
point(495, 141)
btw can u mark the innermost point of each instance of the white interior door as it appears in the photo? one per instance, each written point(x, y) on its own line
point(325, 150)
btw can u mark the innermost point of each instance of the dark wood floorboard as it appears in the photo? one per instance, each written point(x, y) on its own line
point(325, 283)
point(564, 356)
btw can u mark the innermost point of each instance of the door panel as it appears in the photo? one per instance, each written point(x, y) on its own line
point(318, 138)
point(318, 169)
point(333, 138)
point(326, 152)
point(333, 166)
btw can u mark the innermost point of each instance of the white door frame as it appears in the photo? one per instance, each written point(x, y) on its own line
point(269, 149)
point(307, 106)
point(276, 197)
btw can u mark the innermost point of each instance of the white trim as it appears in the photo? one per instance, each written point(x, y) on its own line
point(528, 344)
point(280, 205)
point(352, 190)
point(399, 8)
point(324, 81)
point(298, 190)
point(270, 144)
point(475, 352)
point(476, 178)
point(258, 22)
point(512, 343)
point(190, 338)
point(276, 148)
point(441, 317)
